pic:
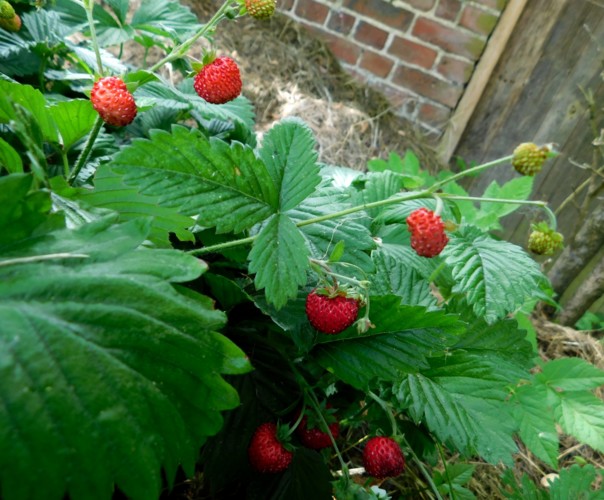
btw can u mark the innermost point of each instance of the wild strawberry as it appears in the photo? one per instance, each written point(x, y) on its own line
point(427, 230)
point(543, 240)
point(112, 100)
point(13, 24)
point(382, 457)
point(312, 436)
point(260, 9)
point(6, 10)
point(528, 158)
point(331, 314)
point(219, 81)
point(266, 452)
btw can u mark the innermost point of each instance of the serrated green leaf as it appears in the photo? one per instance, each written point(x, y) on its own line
point(576, 482)
point(519, 188)
point(571, 374)
point(496, 277)
point(396, 277)
point(527, 490)
point(399, 344)
point(279, 258)
point(9, 158)
point(165, 18)
point(226, 186)
point(111, 193)
point(322, 237)
point(379, 186)
point(74, 119)
point(451, 480)
point(536, 425)
point(108, 374)
point(581, 414)
point(30, 99)
point(288, 151)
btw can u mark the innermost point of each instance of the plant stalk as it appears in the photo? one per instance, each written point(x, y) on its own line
point(89, 8)
point(81, 161)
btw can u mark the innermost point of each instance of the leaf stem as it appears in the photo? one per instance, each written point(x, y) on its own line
point(41, 258)
point(375, 204)
point(89, 8)
point(182, 49)
point(86, 151)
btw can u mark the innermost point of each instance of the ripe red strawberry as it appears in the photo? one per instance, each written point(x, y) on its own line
point(260, 9)
point(331, 315)
point(13, 24)
point(382, 457)
point(112, 100)
point(219, 81)
point(266, 452)
point(427, 230)
point(314, 437)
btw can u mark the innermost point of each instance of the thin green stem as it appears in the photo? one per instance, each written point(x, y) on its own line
point(376, 204)
point(444, 461)
point(81, 161)
point(387, 411)
point(41, 258)
point(182, 49)
point(89, 8)
point(473, 170)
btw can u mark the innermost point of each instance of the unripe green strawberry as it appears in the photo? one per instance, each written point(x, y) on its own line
point(382, 458)
point(543, 240)
point(427, 230)
point(112, 100)
point(13, 24)
point(6, 10)
point(528, 158)
point(219, 81)
point(331, 313)
point(260, 9)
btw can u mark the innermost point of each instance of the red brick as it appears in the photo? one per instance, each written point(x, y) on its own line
point(448, 9)
point(433, 115)
point(382, 12)
point(478, 20)
point(421, 4)
point(396, 96)
point(312, 11)
point(376, 63)
point(449, 39)
point(286, 5)
point(371, 35)
point(412, 52)
point(456, 70)
point(340, 22)
point(428, 86)
point(343, 50)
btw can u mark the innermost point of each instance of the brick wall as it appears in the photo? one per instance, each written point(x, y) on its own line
point(419, 53)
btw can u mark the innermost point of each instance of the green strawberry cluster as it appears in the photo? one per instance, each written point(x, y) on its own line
point(528, 158)
point(543, 240)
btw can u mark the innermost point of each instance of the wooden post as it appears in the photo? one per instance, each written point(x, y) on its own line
point(479, 80)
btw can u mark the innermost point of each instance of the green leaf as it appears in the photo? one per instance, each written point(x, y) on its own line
point(226, 186)
point(23, 213)
point(32, 100)
point(165, 18)
point(581, 414)
point(9, 158)
point(496, 277)
point(399, 344)
point(279, 257)
point(571, 374)
point(74, 120)
point(536, 425)
point(451, 480)
point(107, 373)
point(576, 482)
point(380, 186)
point(396, 277)
point(111, 193)
point(519, 188)
point(288, 151)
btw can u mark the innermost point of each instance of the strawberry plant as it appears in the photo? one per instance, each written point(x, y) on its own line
point(180, 299)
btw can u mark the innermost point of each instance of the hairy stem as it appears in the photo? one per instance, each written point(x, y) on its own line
point(89, 7)
point(81, 161)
